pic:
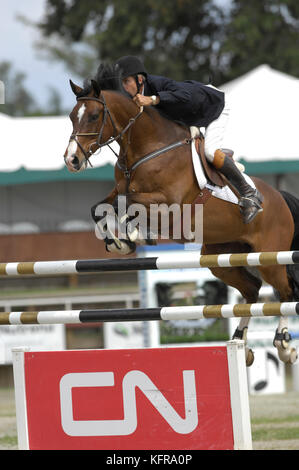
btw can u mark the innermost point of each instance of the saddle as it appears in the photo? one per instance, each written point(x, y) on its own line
point(210, 172)
point(213, 176)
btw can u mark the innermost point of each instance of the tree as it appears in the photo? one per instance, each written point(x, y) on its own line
point(184, 39)
point(54, 102)
point(173, 37)
point(18, 100)
point(260, 32)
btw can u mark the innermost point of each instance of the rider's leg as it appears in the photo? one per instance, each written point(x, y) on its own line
point(250, 200)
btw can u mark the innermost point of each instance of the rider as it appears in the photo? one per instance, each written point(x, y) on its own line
point(194, 104)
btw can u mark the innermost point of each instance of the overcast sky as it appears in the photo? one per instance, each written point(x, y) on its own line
point(17, 46)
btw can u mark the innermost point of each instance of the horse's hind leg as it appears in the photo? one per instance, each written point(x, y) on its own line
point(248, 285)
point(241, 333)
point(282, 340)
point(276, 276)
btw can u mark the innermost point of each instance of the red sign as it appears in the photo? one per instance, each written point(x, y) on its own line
point(168, 398)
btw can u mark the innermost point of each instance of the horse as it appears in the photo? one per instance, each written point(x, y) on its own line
point(103, 114)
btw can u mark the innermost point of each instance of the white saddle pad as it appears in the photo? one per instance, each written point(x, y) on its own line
point(224, 193)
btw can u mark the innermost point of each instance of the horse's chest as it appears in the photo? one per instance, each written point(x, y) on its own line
point(134, 185)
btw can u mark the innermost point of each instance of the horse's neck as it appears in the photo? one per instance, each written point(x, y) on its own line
point(149, 132)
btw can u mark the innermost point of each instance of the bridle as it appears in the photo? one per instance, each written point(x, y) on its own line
point(127, 171)
point(87, 154)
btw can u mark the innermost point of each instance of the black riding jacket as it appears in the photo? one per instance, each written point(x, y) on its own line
point(190, 102)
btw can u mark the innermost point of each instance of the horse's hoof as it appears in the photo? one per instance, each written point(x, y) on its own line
point(293, 356)
point(249, 357)
point(133, 234)
point(125, 247)
point(281, 341)
point(288, 356)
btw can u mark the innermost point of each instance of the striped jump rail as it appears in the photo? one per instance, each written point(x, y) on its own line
point(166, 261)
point(148, 314)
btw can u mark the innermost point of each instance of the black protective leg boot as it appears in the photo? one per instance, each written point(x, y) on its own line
point(251, 199)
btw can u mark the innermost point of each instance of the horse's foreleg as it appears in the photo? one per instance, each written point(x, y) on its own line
point(95, 210)
point(123, 231)
point(139, 229)
point(104, 231)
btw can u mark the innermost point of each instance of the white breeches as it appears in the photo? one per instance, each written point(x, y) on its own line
point(215, 132)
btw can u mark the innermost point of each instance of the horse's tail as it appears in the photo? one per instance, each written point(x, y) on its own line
point(293, 269)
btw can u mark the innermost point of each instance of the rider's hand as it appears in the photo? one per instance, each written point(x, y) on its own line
point(142, 100)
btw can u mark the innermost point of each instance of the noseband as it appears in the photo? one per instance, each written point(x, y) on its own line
point(99, 134)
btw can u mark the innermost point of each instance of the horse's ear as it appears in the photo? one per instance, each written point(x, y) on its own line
point(76, 89)
point(96, 88)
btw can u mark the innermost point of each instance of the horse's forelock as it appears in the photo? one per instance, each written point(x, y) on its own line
point(106, 77)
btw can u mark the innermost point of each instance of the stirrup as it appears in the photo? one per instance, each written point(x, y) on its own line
point(249, 208)
point(254, 199)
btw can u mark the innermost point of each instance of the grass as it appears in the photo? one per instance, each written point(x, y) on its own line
point(275, 429)
point(265, 421)
point(8, 441)
point(276, 433)
point(9, 414)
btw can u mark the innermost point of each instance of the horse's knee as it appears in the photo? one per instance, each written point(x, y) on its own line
point(250, 291)
point(242, 280)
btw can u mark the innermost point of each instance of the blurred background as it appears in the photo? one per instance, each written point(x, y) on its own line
point(247, 49)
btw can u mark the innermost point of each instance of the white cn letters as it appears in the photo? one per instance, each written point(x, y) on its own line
point(128, 425)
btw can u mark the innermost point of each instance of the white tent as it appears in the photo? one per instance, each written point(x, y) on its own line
point(263, 124)
point(38, 143)
point(262, 131)
point(262, 127)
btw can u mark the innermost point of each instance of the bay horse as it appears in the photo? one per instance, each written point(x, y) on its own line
point(103, 113)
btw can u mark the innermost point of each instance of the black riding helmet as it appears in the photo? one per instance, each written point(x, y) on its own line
point(130, 65)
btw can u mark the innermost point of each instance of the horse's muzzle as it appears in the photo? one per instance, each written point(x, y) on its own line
point(74, 164)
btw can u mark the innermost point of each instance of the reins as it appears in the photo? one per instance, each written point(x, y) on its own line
point(123, 167)
point(128, 171)
point(111, 139)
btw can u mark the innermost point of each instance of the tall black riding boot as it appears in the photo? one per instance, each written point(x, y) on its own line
point(251, 199)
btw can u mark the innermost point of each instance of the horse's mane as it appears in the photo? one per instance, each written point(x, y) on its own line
point(106, 77)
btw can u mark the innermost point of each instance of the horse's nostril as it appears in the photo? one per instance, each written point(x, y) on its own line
point(75, 161)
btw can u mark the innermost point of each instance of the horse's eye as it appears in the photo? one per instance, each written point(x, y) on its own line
point(94, 117)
